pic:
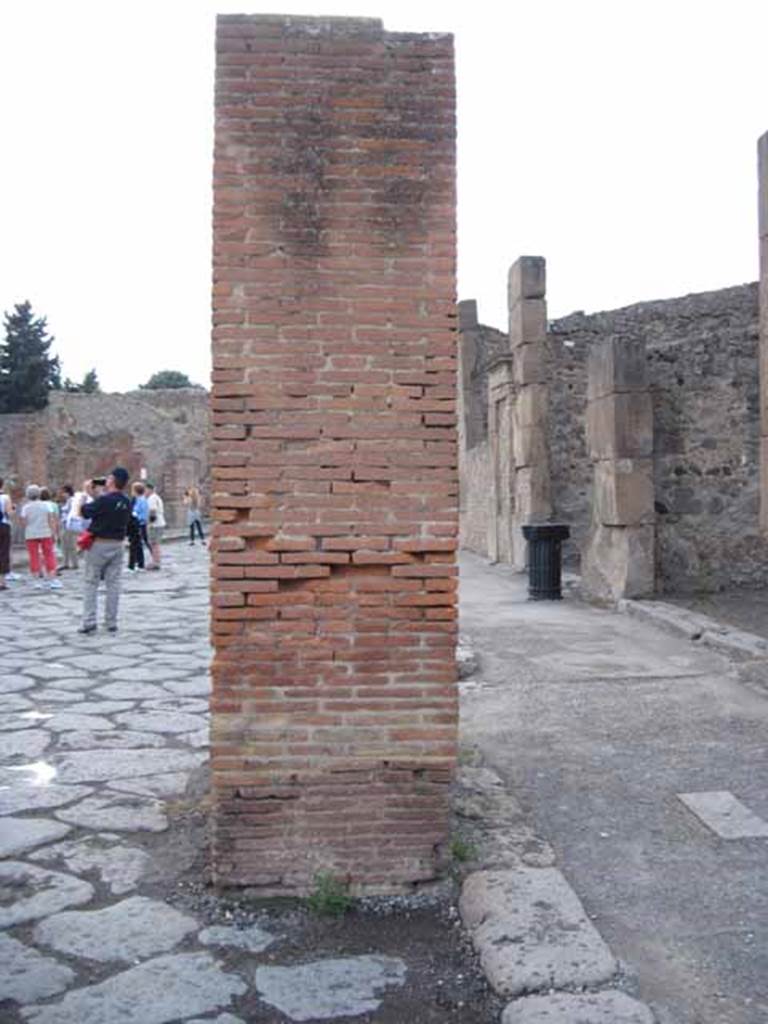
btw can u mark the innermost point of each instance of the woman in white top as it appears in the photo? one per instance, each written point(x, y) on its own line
point(39, 530)
point(156, 523)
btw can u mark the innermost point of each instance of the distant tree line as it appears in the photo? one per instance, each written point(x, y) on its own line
point(29, 371)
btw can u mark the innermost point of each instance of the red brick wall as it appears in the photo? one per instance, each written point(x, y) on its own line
point(334, 452)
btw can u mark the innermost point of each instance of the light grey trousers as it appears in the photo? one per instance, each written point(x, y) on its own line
point(104, 560)
point(69, 550)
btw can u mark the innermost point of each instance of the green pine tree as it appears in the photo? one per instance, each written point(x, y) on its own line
point(27, 370)
point(90, 383)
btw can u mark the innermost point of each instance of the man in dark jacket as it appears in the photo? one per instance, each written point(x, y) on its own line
point(109, 513)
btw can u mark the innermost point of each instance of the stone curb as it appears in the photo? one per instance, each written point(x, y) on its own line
point(529, 928)
point(698, 628)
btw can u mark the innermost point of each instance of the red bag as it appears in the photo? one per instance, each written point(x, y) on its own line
point(85, 540)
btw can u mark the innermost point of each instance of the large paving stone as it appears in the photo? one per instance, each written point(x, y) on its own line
point(170, 784)
point(190, 688)
point(135, 928)
point(531, 931)
point(139, 674)
point(610, 1007)
point(17, 702)
point(19, 792)
point(28, 892)
point(50, 695)
point(188, 705)
point(100, 662)
point(160, 721)
point(71, 721)
point(14, 721)
point(118, 739)
point(119, 866)
point(323, 989)
point(130, 691)
point(26, 743)
point(252, 939)
point(122, 812)
point(26, 975)
point(14, 683)
point(76, 683)
point(123, 764)
point(20, 834)
point(103, 707)
point(169, 988)
point(50, 670)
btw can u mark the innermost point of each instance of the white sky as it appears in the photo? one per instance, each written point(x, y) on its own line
point(617, 139)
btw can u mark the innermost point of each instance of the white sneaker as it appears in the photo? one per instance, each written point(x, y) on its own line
point(56, 585)
point(39, 585)
point(11, 576)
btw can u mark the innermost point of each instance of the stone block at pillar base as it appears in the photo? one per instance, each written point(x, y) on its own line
point(620, 426)
point(618, 562)
point(533, 502)
point(623, 494)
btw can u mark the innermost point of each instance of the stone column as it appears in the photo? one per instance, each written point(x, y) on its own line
point(762, 150)
point(530, 439)
point(501, 408)
point(619, 557)
point(335, 487)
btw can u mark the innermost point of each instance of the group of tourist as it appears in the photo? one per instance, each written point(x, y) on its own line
point(95, 522)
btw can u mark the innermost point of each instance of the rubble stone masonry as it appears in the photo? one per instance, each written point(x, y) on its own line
point(762, 159)
point(334, 453)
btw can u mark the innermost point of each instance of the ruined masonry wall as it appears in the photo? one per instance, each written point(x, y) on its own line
point(702, 355)
point(762, 172)
point(80, 435)
point(336, 490)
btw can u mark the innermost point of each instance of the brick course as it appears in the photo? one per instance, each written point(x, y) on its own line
point(334, 453)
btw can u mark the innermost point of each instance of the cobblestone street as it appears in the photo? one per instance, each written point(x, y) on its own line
point(105, 915)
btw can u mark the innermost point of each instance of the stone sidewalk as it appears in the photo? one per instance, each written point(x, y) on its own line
point(641, 758)
point(104, 914)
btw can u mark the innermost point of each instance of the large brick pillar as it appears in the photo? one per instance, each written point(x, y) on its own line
point(762, 151)
point(334, 453)
point(619, 557)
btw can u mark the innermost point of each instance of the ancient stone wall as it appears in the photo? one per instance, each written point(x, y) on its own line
point(82, 435)
point(762, 174)
point(336, 491)
point(702, 353)
point(478, 349)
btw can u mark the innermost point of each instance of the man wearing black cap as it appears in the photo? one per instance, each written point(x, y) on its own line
point(109, 514)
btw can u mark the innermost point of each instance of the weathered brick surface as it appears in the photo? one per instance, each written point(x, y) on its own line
point(334, 452)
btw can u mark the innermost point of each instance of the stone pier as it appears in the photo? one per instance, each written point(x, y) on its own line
point(334, 454)
point(517, 416)
point(762, 150)
point(619, 557)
